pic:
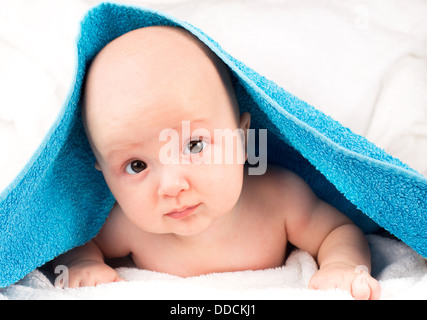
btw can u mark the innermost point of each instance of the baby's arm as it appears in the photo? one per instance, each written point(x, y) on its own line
point(86, 265)
point(344, 262)
point(340, 247)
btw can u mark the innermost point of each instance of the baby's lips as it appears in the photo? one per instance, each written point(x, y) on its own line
point(182, 213)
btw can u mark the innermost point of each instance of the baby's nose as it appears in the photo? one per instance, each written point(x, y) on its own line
point(172, 182)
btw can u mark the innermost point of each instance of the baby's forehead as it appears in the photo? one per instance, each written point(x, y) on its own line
point(159, 52)
point(145, 61)
point(144, 54)
point(157, 44)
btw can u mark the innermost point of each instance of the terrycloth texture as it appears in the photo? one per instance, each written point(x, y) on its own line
point(401, 272)
point(59, 201)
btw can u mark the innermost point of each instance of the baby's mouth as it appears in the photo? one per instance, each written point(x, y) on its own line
point(182, 212)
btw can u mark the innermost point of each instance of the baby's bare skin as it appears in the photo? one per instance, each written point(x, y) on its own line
point(191, 218)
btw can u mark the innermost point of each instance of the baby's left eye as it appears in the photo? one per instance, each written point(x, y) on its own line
point(195, 146)
point(136, 167)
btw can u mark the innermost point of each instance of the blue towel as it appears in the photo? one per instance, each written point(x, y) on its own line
point(59, 201)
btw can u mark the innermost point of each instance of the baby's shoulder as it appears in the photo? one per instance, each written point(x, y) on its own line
point(114, 236)
point(279, 187)
point(275, 179)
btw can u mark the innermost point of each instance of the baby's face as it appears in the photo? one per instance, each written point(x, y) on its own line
point(148, 94)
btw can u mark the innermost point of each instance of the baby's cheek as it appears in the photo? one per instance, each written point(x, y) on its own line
point(227, 184)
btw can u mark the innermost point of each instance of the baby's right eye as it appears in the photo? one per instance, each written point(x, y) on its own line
point(136, 167)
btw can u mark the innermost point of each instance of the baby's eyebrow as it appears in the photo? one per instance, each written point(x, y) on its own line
point(194, 122)
point(122, 151)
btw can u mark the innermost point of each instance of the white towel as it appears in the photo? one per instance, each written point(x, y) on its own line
point(402, 274)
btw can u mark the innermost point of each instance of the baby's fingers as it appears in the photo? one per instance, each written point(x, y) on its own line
point(375, 287)
point(360, 289)
point(364, 287)
point(119, 279)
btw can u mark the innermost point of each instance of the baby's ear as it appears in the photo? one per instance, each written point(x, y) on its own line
point(97, 166)
point(245, 121)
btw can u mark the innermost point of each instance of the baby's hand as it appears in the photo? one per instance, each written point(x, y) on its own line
point(355, 280)
point(90, 273)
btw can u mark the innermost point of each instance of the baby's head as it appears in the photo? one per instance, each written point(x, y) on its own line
point(154, 82)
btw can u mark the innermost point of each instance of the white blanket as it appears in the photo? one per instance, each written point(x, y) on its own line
point(402, 274)
point(360, 61)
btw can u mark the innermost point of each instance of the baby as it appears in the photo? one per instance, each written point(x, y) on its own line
point(196, 216)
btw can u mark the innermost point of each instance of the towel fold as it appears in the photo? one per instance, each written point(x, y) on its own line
point(59, 201)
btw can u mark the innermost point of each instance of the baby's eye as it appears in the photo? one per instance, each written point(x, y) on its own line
point(136, 167)
point(195, 146)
